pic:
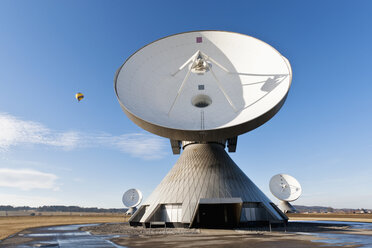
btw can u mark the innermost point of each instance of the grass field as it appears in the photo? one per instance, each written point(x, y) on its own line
point(13, 224)
point(332, 217)
point(33, 212)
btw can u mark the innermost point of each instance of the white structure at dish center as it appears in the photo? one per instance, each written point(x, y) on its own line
point(201, 90)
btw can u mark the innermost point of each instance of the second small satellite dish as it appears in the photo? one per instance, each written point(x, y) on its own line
point(286, 188)
point(131, 199)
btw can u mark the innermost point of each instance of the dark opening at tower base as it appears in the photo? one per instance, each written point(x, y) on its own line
point(217, 215)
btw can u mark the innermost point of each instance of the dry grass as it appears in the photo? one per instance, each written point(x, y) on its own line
point(13, 224)
point(332, 217)
point(33, 212)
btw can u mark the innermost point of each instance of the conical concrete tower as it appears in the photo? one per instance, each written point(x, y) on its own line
point(206, 188)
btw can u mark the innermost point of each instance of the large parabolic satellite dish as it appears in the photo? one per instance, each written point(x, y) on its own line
point(204, 86)
point(201, 90)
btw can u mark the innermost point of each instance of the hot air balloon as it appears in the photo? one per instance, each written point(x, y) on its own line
point(79, 96)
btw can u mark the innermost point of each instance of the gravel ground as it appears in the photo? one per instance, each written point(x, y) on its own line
point(126, 229)
point(216, 238)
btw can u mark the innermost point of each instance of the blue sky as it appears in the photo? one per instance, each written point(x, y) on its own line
point(54, 150)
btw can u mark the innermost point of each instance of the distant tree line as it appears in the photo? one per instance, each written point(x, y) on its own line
point(11, 208)
point(63, 209)
point(320, 209)
point(317, 209)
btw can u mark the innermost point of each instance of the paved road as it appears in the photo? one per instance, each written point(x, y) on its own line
point(342, 239)
point(69, 236)
point(63, 236)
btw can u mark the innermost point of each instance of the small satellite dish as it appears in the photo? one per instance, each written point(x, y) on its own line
point(287, 189)
point(131, 199)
